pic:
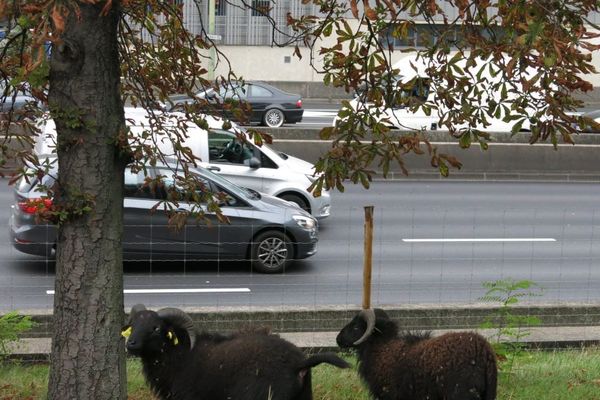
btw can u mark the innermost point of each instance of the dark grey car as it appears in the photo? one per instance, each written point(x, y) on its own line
point(271, 106)
point(264, 229)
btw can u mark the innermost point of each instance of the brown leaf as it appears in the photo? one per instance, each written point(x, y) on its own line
point(354, 8)
point(297, 52)
point(26, 8)
point(371, 14)
point(106, 8)
point(58, 20)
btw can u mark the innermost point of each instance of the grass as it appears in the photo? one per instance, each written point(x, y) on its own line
point(558, 375)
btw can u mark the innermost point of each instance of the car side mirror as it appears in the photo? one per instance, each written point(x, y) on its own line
point(254, 163)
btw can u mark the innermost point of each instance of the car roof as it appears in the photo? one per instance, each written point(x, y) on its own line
point(141, 115)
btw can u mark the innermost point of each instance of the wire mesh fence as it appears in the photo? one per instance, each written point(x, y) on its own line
point(435, 244)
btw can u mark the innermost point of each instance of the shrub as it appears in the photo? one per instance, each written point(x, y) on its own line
point(11, 326)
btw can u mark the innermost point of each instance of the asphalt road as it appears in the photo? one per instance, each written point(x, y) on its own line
point(319, 113)
point(434, 242)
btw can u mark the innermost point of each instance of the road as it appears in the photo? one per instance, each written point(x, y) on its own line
point(317, 113)
point(435, 242)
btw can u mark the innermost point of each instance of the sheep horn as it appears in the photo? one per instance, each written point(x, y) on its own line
point(369, 316)
point(135, 309)
point(181, 319)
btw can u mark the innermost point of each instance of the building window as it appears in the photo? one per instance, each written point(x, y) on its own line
point(261, 8)
point(418, 35)
point(425, 35)
point(220, 7)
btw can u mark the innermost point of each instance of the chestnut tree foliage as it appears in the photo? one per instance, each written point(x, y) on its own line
point(83, 60)
point(513, 60)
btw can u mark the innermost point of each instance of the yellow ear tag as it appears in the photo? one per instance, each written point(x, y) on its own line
point(172, 337)
point(126, 333)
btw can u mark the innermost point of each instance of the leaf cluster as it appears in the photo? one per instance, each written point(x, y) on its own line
point(159, 57)
point(517, 61)
point(11, 326)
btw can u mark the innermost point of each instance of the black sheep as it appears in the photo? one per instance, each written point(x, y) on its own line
point(180, 363)
point(453, 366)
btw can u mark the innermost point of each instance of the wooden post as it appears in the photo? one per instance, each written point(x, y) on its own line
point(368, 257)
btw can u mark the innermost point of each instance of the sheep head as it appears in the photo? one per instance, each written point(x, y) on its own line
point(149, 332)
point(362, 327)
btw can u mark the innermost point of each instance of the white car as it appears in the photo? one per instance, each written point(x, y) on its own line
point(257, 167)
point(402, 117)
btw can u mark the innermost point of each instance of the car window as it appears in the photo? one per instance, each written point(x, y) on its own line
point(232, 91)
point(171, 186)
point(31, 182)
point(258, 91)
point(417, 94)
point(134, 185)
point(226, 147)
point(266, 162)
point(204, 186)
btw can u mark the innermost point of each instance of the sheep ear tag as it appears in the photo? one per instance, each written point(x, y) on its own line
point(173, 338)
point(126, 332)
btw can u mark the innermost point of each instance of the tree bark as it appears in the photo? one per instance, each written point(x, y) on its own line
point(88, 360)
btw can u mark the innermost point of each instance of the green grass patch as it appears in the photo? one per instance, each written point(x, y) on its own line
point(557, 375)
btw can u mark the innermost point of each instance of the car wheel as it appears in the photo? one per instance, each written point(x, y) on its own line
point(272, 251)
point(294, 198)
point(274, 118)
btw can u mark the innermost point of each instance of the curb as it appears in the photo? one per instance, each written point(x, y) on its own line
point(561, 325)
point(38, 349)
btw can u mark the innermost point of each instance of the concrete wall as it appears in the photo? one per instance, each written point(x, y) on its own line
point(510, 157)
point(424, 317)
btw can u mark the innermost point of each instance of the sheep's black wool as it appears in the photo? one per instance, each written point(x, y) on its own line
point(181, 363)
point(412, 366)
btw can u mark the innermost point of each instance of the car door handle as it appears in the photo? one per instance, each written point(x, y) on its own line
point(214, 169)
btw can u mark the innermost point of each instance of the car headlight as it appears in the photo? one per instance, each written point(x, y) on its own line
point(305, 222)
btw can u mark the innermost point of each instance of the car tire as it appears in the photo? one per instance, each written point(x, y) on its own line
point(297, 199)
point(271, 253)
point(274, 118)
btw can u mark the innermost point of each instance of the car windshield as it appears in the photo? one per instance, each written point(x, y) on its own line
point(227, 185)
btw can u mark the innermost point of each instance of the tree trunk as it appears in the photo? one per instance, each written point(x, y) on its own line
point(88, 360)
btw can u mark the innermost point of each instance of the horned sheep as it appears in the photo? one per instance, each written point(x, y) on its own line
point(453, 366)
point(181, 363)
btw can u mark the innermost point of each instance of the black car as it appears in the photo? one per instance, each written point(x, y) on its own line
point(270, 106)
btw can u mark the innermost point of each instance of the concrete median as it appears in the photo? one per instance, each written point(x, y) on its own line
point(562, 325)
point(508, 157)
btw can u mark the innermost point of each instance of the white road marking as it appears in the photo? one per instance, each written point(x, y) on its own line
point(450, 240)
point(325, 113)
point(172, 291)
point(311, 123)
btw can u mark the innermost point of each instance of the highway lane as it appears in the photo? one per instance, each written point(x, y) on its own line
point(562, 217)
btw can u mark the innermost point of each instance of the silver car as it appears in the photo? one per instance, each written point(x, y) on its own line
point(266, 230)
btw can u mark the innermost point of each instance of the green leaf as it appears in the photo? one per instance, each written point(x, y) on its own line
point(465, 140)
point(443, 168)
point(326, 132)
